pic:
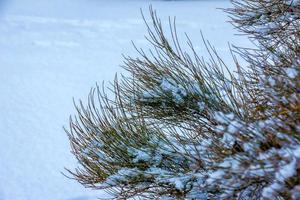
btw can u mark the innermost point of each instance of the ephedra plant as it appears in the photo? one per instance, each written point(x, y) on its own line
point(181, 126)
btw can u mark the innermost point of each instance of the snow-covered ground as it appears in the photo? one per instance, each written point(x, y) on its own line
point(53, 50)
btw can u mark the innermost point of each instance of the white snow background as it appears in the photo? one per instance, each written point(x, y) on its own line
point(54, 50)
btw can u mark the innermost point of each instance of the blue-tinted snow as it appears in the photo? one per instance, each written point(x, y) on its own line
point(51, 51)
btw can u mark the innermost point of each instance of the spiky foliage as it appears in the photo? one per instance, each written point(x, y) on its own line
point(185, 127)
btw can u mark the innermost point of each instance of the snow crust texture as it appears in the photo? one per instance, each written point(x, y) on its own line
point(54, 50)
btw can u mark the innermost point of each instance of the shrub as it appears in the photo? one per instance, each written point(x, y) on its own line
point(182, 127)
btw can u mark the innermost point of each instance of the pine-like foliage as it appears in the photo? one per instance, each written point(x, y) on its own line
point(185, 127)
